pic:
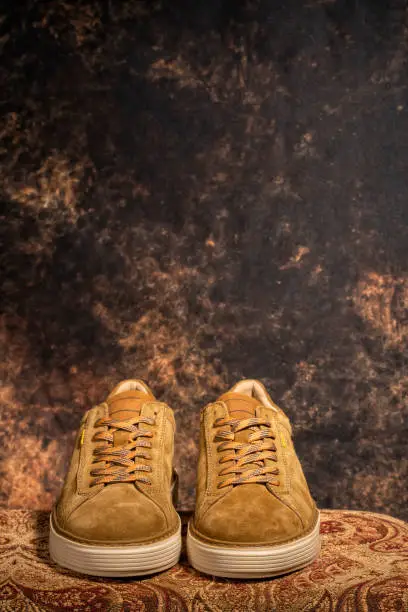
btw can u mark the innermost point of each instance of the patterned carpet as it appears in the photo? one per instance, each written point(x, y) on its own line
point(363, 567)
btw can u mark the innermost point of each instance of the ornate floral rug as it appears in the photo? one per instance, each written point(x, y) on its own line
point(363, 566)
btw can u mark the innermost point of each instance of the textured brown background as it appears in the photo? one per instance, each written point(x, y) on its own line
point(193, 192)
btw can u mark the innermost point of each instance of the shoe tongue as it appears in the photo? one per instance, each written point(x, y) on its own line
point(127, 404)
point(240, 406)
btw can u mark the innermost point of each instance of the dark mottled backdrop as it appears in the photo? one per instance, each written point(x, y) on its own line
point(193, 192)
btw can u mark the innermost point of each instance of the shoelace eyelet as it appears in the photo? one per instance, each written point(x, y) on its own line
point(121, 463)
point(250, 460)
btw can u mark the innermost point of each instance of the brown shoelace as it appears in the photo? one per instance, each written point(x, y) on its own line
point(259, 448)
point(120, 461)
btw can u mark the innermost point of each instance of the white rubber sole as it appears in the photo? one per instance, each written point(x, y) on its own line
point(253, 561)
point(115, 561)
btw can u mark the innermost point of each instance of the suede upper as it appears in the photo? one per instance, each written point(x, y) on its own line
point(275, 510)
point(96, 505)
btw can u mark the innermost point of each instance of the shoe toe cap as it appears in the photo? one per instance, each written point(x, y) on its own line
point(247, 515)
point(119, 513)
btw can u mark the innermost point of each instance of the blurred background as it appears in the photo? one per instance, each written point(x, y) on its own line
point(196, 192)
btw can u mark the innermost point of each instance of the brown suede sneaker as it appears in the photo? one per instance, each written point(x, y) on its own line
point(254, 514)
point(115, 515)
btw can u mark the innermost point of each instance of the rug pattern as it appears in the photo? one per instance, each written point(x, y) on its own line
point(363, 566)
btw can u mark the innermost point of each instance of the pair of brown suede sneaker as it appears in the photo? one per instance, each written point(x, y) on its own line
point(254, 514)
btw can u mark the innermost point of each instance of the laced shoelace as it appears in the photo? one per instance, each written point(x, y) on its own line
point(120, 461)
point(259, 448)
